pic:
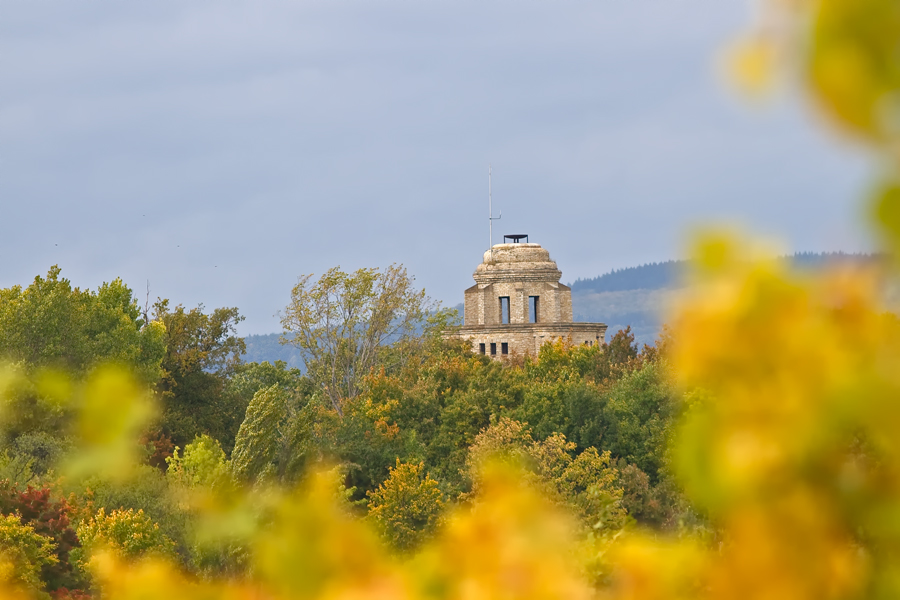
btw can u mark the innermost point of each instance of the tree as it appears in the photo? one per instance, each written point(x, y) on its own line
point(202, 464)
point(345, 323)
point(27, 553)
point(618, 356)
point(52, 324)
point(48, 517)
point(56, 335)
point(274, 438)
point(637, 418)
point(586, 484)
point(249, 378)
point(202, 351)
point(260, 435)
point(128, 533)
point(407, 507)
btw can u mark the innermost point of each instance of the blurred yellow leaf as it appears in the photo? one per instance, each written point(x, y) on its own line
point(54, 386)
point(113, 411)
point(886, 206)
point(750, 64)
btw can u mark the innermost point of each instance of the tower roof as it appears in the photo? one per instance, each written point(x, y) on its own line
point(518, 261)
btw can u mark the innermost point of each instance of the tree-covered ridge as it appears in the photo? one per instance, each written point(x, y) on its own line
point(408, 444)
point(661, 275)
point(647, 276)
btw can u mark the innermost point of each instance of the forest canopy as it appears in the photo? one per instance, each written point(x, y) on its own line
point(405, 444)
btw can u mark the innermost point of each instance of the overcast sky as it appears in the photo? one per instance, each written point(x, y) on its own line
point(221, 148)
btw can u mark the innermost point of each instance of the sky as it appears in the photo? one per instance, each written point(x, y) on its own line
point(216, 150)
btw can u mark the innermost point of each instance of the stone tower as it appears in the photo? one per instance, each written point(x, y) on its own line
point(518, 303)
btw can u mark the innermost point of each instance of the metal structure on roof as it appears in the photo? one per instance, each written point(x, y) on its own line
point(515, 237)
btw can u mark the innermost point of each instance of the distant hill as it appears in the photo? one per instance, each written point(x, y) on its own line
point(262, 348)
point(652, 276)
point(640, 296)
point(656, 276)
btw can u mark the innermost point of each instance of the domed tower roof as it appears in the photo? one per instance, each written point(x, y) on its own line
point(522, 262)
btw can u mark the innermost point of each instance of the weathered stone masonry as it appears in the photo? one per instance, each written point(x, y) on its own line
point(517, 304)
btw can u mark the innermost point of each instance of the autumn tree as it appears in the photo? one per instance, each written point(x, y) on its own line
point(407, 507)
point(27, 553)
point(202, 351)
point(48, 517)
point(128, 533)
point(345, 324)
point(586, 484)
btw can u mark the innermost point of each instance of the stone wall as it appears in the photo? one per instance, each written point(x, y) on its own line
point(482, 302)
point(522, 339)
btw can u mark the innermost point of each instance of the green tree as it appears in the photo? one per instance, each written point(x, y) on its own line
point(431, 410)
point(346, 324)
point(260, 437)
point(56, 335)
point(249, 378)
point(638, 417)
point(569, 387)
point(52, 324)
point(274, 440)
point(407, 507)
point(202, 351)
point(202, 464)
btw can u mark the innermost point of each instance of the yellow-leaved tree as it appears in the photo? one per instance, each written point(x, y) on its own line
point(407, 508)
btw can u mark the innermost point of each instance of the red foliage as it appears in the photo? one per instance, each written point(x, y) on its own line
point(161, 448)
point(50, 518)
